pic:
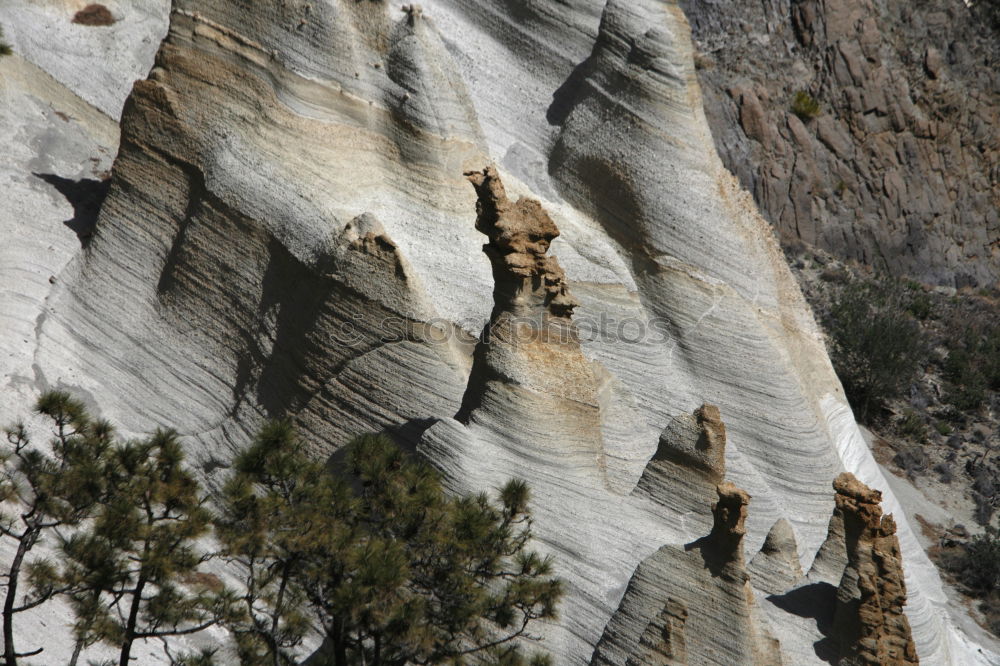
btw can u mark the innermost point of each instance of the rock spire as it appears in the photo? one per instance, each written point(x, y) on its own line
point(520, 232)
point(869, 624)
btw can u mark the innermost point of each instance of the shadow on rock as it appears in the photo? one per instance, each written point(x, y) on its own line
point(86, 196)
point(815, 601)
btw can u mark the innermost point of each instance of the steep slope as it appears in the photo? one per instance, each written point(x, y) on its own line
point(900, 169)
point(288, 230)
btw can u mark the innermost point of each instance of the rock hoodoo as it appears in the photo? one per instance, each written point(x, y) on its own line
point(693, 603)
point(690, 461)
point(869, 624)
point(530, 342)
point(729, 528)
point(776, 568)
point(526, 279)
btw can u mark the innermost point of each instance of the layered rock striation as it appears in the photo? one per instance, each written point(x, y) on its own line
point(688, 465)
point(775, 569)
point(288, 231)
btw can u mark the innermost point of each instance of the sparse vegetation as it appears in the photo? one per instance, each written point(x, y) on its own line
point(877, 346)
point(975, 566)
point(954, 386)
point(805, 106)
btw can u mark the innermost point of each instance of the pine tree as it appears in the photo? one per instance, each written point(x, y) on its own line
point(275, 489)
point(130, 571)
point(49, 491)
point(394, 570)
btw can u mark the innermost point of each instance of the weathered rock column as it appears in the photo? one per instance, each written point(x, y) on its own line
point(528, 365)
point(869, 625)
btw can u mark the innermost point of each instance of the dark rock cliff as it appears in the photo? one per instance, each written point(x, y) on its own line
point(900, 169)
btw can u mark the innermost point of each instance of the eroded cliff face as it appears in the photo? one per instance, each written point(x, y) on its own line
point(900, 169)
point(288, 231)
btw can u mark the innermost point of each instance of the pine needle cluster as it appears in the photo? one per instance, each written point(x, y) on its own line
point(42, 491)
point(391, 568)
point(369, 551)
point(124, 518)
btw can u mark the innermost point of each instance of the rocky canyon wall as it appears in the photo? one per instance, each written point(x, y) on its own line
point(900, 167)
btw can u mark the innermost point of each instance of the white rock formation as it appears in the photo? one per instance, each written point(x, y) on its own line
point(288, 229)
point(98, 63)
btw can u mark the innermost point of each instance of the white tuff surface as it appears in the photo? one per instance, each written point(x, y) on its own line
point(223, 274)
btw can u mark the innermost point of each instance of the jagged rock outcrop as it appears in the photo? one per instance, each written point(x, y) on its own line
point(529, 361)
point(776, 568)
point(901, 168)
point(288, 231)
point(869, 625)
point(693, 605)
point(689, 462)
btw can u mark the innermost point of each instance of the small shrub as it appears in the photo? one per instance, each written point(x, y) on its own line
point(988, 11)
point(976, 565)
point(94, 15)
point(985, 490)
point(942, 428)
point(911, 425)
point(835, 276)
point(973, 365)
point(969, 394)
point(945, 473)
point(877, 347)
point(911, 460)
point(980, 566)
point(921, 306)
point(805, 106)
point(952, 415)
point(990, 607)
